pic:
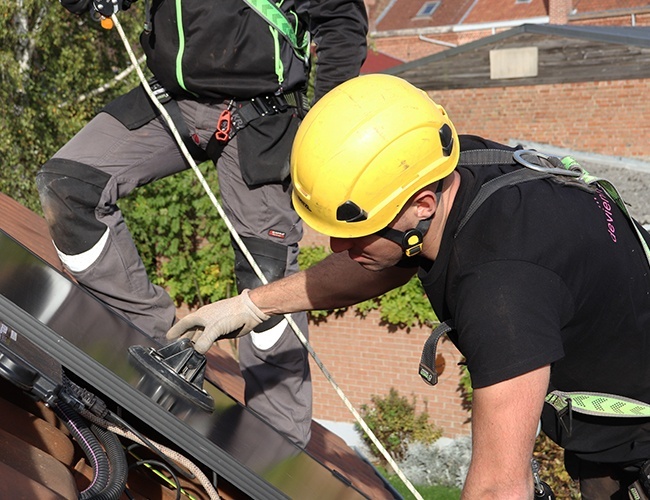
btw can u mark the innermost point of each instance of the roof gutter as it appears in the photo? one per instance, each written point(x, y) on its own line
point(434, 41)
point(459, 28)
point(575, 15)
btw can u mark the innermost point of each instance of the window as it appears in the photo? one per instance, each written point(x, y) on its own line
point(427, 9)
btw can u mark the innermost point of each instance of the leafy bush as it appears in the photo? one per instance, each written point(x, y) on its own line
point(443, 463)
point(183, 242)
point(394, 422)
point(402, 307)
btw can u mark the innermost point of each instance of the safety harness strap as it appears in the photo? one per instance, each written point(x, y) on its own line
point(598, 404)
point(589, 403)
point(272, 14)
point(175, 114)
point(490, 187)
point(428, 360)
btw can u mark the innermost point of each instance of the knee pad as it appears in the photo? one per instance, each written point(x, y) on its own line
point(271, 258)
point(70, 192)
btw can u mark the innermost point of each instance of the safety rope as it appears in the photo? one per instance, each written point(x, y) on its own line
point(254, 264)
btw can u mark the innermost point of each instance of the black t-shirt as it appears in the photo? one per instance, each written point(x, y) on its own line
point(545, 273)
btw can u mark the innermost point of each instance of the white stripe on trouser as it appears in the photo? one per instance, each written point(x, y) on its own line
point(267, 339)
point(82, 261)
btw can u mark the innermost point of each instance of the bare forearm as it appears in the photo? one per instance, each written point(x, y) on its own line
point(504, 424)
point(335, 282)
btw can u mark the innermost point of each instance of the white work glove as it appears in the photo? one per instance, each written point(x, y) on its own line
point(228, 318)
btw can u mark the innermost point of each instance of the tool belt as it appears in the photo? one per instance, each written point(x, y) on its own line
point(245, 112)
point(265, 127)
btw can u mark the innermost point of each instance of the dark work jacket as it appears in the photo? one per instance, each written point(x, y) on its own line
point(224, 49)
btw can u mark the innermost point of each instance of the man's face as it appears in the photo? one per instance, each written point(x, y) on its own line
point(371, 252)
point(374, 252)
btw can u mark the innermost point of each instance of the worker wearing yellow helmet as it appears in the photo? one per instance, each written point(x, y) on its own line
point(355, 179)
point(533, 271)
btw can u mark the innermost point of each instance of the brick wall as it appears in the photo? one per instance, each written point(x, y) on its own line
point(366, 358)
point(609, 118)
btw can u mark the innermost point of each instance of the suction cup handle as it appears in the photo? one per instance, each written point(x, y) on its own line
point(181, 358)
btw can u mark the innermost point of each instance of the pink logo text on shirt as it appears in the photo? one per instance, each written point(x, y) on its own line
point(606, 206)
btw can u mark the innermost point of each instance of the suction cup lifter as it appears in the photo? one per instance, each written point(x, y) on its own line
point(178, 367)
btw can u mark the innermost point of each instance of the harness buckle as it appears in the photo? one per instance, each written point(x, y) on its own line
point(159, 91)
point(269, 104)
point(519, 158)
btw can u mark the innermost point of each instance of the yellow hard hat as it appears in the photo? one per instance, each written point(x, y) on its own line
point(363, 150)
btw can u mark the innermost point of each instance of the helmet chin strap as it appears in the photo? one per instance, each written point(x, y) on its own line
point(411, 240)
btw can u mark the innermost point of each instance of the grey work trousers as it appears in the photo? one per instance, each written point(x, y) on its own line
point(275, 366)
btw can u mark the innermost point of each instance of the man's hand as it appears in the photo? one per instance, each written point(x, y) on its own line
point(107, 7)
point(230, 318)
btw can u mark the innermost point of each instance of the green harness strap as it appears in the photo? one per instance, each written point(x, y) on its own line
point(594, 403)
point(598, 404)
point(272, 14)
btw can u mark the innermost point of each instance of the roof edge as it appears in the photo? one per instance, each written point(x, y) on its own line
point(608, 34)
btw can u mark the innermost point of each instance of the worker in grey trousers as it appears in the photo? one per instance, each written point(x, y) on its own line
point(128, 145)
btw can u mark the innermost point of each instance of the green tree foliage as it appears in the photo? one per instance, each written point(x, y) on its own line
point(402, 307)
point(181, 238)
point(49, 61)
point(394, 421)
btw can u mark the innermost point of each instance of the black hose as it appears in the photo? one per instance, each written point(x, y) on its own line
point(90, 446)
point(119, 468)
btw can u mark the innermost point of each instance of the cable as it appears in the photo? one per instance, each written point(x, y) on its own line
point(158, 463)
point(91, 447)
point(155, 447)
point(144, 441)
point(253, 263)
point(118, 467)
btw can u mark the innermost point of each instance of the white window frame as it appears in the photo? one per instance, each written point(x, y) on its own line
point(424, 10)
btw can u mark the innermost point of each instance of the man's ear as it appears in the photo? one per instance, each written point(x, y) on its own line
point(426, 203)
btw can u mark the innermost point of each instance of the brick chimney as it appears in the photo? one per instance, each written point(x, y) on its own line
point(558, 11)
